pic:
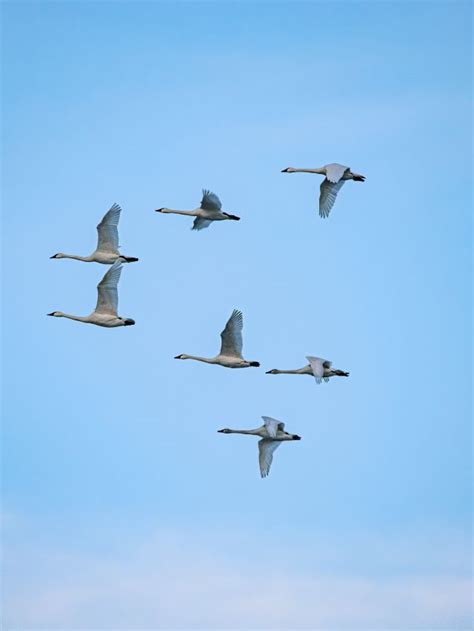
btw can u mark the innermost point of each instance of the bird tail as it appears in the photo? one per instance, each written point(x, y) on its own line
point(234, 217)
point(358, 178)
point(129, 259)
point(341, 373)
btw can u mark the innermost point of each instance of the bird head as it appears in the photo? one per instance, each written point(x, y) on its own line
point(226, 430)
point(182, 356)
point(56, 314)
point(288, 170)
point(59, 255)
point(273, 371)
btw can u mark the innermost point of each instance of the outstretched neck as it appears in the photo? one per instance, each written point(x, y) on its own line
point(321, 171)
point(189, 213)
point(74, 317)
point(206, 360)
point(297, 371)
point(253, 432)
point(76, 257)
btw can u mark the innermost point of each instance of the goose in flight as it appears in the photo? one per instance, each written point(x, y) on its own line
point(209, 210)
point(230, 355)
point(336, 175)
point(272, 434)
point(107, 250)
point(105, 313)
point(319, 368)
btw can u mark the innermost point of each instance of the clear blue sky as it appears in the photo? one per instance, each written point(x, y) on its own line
point(122, 506)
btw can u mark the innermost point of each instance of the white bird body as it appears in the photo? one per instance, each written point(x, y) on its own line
point(107, 250)
point(210, 210)
point(318, 368)
point(272, 434)
point(105, 313)
point(335, 176)
point(230, 355)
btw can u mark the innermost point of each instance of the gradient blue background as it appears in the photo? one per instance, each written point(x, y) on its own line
point(109, 445)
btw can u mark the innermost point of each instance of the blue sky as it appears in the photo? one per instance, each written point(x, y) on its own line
point(120, 501)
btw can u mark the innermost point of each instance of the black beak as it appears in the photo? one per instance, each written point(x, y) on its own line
point(158, 210)
point(52, 313)
point(268, 372)
point(53, 257)
point(177, 357)
point(284, 170)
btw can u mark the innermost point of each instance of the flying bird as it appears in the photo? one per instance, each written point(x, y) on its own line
point(209, 210)
point(107, 250)
point(272, 434)
point(319, 368)
point(105, 313)
point(336, 175)
point(230, 355)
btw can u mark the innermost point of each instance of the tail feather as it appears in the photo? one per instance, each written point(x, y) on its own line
point(129, 259)
point(234, 217)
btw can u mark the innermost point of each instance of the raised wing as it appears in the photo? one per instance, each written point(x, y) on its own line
point(232, 335)
point(317, 366)
point(108, 239)
point(335, 171)
point(107, 294)
point(266, 447)
point(199, 223)
point(273, 425)
point(210, 201)
point(327, 196)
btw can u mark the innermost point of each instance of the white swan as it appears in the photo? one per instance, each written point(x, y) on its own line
point(319, 368)
point(272, 434)
point(208, 211)
point(336, 175)
point(105, 313)
point(107, 251)
point(230, 355)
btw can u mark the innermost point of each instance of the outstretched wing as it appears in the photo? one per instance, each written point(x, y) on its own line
point(266, 447)
point(273, 425)
point(108, 239)
point(210, 201)
point(335, 171)
point(107, 294)
point(317, 366)
point(328, 195)
point(232, 335)
point(199, 223)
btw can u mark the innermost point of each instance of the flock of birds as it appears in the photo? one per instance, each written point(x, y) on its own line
point(272, 433)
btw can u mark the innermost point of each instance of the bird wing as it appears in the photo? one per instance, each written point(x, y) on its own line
point(107, 294)
point(327, 196)
point(272, 425)
point(335, 171)
point(199, 223)
point(266, 447)
point(317, 366)
point(210, 201)
point(231, 336)
point(107, 230)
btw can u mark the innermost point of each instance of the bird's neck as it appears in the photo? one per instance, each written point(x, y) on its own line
point(321, 171)
point(76, 257)
point(189, 213)
point(253, 432)
point(74, 317)
point(297, 371)
point(206, 360)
